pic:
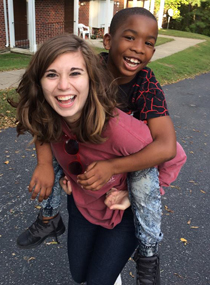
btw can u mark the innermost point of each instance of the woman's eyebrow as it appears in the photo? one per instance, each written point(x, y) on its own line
point(72, 69)
point(76, 68)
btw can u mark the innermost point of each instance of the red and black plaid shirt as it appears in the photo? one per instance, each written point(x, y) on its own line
point(143, 96)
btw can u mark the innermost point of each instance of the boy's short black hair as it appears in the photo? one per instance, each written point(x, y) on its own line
point(121, 16)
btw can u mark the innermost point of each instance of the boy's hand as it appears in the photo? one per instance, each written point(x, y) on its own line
point(96, 175)
point(117, 200)
point(66, 185)
point(42, 181)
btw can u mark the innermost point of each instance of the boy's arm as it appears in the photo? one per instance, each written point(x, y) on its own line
point(163, 148)
point(43, 177)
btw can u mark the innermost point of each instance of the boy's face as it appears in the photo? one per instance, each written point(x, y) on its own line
point(131, 47)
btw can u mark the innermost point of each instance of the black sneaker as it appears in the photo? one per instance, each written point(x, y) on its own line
point(39, 231)
point(147, 269)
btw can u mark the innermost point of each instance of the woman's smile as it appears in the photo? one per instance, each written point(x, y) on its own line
point(65, 85)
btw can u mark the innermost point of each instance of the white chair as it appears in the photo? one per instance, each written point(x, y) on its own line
point(83, 30)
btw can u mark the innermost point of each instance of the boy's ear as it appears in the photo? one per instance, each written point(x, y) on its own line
point(107, 41)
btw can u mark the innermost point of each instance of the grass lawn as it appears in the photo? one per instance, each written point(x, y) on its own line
point(9, 61)
point(185, 64)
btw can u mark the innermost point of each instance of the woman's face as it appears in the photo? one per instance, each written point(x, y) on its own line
point(65, 85)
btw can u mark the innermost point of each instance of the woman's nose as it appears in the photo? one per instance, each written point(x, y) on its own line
point(64, 83)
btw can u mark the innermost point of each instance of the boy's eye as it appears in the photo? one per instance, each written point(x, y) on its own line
point(130, 38)
point(149, 44)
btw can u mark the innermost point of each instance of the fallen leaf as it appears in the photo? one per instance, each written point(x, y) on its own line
point(178, 275)
point(189, 222)
point(38, 207)
point(131, 274)
point(6, 162)
point(168, 210)
point(191, 151)
point(173, 186)
point(203, 191)
point(51, 242)
point(193, 227)
point(31, 258)
point(184, 241)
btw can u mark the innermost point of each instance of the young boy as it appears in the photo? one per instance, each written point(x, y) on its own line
point(133, 33)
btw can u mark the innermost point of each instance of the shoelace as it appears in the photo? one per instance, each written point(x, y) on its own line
point(39, 225)
point(56, 238)
point(146, 273)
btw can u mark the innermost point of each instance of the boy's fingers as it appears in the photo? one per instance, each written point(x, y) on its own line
point(31, 185)
point(42, 194)
point(48, 192)
point(84, 176)
point(35, 192)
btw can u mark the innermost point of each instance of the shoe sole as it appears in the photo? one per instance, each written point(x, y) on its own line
point(59, 233)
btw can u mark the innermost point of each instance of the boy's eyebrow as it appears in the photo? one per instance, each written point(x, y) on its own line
point(135, 32)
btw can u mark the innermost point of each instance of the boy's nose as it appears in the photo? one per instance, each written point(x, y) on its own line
point(139, 47)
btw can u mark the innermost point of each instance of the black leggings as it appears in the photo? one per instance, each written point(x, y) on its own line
point(97, 255)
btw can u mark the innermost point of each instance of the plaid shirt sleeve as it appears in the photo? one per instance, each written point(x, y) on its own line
point(147, 96)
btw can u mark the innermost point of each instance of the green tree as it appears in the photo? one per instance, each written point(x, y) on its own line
point(189, 15)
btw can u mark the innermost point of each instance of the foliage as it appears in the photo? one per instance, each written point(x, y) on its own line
point(194, 16)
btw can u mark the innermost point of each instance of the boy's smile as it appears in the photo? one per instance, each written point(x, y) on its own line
point(131, 47)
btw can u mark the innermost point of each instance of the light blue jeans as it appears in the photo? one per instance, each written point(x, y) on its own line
point(50, 207)
point(144, 194)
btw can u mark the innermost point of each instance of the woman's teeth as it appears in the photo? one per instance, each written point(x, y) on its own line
point(65, 98)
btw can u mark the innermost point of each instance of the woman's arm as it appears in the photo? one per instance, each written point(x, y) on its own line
point(43, 177)
point(163, 148)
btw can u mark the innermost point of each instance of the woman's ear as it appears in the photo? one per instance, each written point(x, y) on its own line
point(107, 41)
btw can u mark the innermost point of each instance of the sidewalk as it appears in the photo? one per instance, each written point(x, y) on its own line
point(10, 79)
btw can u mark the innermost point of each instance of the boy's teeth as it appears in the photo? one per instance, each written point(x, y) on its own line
point(132, 60)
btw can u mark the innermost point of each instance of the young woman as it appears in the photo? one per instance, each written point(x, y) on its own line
point(67, 99)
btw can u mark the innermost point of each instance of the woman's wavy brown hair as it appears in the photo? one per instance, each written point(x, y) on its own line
point(35, 115)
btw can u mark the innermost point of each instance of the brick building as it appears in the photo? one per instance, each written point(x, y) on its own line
point(27, 24)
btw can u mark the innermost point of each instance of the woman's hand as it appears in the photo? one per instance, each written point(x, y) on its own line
point(96, 175)
point(66, 185)
point(117, 199)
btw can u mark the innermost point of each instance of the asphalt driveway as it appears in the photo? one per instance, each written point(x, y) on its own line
point(185, 249)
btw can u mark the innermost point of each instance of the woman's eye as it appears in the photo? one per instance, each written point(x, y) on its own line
point(75, 73)
point(51, 75)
